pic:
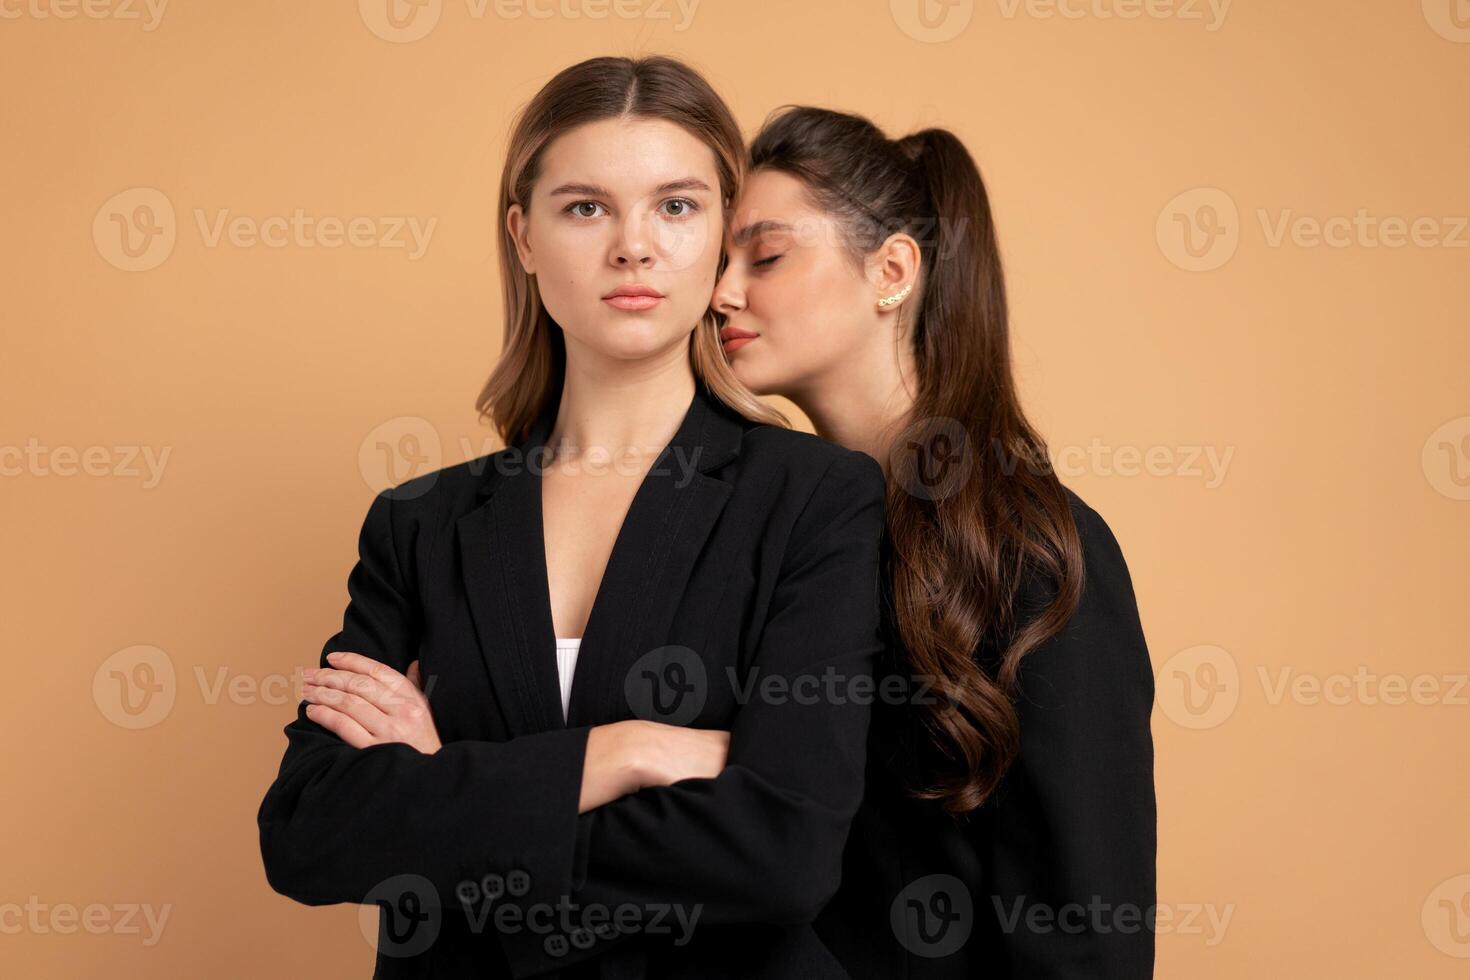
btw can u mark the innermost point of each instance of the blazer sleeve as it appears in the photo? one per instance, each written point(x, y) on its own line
point(340, 822)
point(762, 842)
point(1072, 828)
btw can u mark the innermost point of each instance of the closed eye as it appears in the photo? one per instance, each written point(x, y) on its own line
point(770, 260)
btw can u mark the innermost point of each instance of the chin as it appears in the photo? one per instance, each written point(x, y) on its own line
point(630, 337)
point(749, 373)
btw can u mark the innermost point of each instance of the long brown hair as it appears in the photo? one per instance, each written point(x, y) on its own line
point(961, 558)
point(532, 364)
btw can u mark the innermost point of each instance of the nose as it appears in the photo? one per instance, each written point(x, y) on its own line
point(729, 296)
point(634, 244)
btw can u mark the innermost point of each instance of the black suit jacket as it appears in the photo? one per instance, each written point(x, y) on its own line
point(1054, 876)
point(749, 554)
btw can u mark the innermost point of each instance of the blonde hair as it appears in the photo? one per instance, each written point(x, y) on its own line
point(532, 364)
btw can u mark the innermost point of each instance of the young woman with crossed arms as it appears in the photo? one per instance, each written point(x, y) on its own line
point(654, 518)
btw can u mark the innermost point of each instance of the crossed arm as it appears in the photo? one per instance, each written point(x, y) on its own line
point(365, 702)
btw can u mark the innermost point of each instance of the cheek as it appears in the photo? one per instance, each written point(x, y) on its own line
point(803, 314)
point(562, 264)
point(807, 320)
point(691, 279)
point(691, 246)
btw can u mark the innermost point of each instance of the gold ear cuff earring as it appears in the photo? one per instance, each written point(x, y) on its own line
point(896, 297)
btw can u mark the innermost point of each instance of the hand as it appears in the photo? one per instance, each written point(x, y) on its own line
point(626, 756)
point(664, 754)
point(366, 702)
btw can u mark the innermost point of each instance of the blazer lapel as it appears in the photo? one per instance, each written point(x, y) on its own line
point(662, 536)
point(503, 564)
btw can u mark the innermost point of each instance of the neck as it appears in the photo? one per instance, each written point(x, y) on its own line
point(862, 403)
point(630, 409)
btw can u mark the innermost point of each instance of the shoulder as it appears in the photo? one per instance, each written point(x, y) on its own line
point(808, 491)
point(1101, 555)
point(1101, 552)
point(448, 483)
point(809, 460)
point(437, 498)
point(1103, 640)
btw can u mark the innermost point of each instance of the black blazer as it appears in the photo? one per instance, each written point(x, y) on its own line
point(750, 553)
point(1054, 875)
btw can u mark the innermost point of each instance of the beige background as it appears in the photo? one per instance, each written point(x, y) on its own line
point(1311, 829)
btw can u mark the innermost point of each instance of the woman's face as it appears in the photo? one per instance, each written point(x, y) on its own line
point(794, 301)
point(623, 235)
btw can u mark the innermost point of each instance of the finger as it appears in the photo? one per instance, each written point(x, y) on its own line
point(360, 684)
point(388, 698)
point(359, 709)
point(393, 683)
point(414, 677)
point(347, 660)
point(340, 725)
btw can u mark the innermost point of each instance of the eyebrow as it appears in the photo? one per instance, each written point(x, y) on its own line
point(745, 234)
point(595, 190)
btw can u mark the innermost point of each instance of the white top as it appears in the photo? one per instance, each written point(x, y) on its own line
point(566, 664)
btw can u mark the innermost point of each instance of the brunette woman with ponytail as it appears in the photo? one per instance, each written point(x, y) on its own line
point(1009, 824)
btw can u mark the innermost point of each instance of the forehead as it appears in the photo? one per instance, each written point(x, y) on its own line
point(771, 202)
point(626, 156)
point(771, 191)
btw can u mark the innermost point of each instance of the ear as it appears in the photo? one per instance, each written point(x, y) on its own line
point(518, 223)
point(894, 266)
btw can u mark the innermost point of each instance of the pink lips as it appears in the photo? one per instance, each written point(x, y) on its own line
point(733, 338)
point(634, 302)
point(633, 297)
